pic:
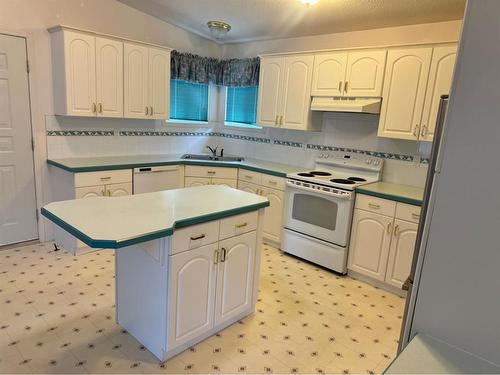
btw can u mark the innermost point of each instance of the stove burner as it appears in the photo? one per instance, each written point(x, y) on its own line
point(320, 173)
point(305, 174)
point(342, 181)
point(356, 179)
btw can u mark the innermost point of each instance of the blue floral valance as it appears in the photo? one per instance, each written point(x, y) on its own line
point(209, 70)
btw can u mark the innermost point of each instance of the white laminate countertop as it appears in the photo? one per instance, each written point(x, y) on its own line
point(113, 222)
point(398, 192)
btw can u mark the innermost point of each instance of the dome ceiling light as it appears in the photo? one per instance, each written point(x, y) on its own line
point(218, 29)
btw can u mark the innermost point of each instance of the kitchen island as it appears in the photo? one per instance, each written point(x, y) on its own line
point(187, 260)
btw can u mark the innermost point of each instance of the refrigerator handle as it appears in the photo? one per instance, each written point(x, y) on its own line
point(440, 130)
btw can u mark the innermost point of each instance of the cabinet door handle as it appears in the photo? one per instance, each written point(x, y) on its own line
point(276, 120)
point(199, 237)
point(340, 86)
point(389, 228)
point(374, 205)
point(242, 225)
point(345, 86)
point(109, 193)
point(396, 230)
point(424, 131)
point(415, 216)
point(147, 111)
point(415, 131)
point(151, 112)
point(100, 107)
point(281, 120)
point(216, 256)
point(94, 108)
point(103, 193)
point(223, 255)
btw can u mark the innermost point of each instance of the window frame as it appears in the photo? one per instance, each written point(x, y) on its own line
point(210, 95)
point(238, 125)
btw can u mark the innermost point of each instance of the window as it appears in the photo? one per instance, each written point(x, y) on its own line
point(188, 101)
point(241, 106)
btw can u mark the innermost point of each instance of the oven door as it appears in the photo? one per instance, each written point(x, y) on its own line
point(323, 215)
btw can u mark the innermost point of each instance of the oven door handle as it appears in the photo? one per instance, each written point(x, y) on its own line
point(329, 193)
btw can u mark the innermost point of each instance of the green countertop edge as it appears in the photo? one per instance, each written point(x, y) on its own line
point(95, 168)
point(397, 198)
point(110, 244)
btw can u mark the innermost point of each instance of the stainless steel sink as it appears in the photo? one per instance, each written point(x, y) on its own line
point(211, 157)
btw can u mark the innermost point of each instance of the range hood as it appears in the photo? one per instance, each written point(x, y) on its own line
point(342, 104)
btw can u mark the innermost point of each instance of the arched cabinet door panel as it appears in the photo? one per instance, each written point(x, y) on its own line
point(109, 77)
point(328, 74)
point(136, 83)
point(365, 73)
point(401, 252)
point(270, 82)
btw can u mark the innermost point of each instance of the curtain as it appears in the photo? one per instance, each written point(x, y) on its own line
point(209, 70)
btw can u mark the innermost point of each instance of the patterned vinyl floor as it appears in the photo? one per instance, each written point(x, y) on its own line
point(57, 316)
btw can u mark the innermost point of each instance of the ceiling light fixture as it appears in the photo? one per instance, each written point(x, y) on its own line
point(218, 29)
point(310, 2)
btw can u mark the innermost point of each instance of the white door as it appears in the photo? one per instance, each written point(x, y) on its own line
point(329, 74)
point(370, 242)
point(405, 83)
point(90, 191)
point(196, 181)
point(297, 80)
point(80, 62)
point(273, 216)
point(136, 91)
point(225, 182)
point(270, 82)
point(192, 282)
point(17, 181)
point(119, 190)
point(440, 77)
point(159, 83)
point(109, 77)
point(235, 276)
point(365, 73)
point(401, 252)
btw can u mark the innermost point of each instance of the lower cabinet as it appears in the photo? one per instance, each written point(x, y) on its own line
point(383, 239)
point(200, 181)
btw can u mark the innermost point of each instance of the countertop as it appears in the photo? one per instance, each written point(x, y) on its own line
point(426, 355)
point(396, 192)
point(103, 222)
point(135, 161)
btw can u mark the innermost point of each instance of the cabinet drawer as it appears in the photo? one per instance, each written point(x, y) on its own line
point(374, 204)
point(195, 236)
point(408, 212)
point(234, 225)
point(220, 172)
point(103, 177)
point(273, 182)
point(249, 176)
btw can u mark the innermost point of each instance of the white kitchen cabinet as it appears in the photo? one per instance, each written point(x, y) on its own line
point(89, 191)
point(273, 217)
point(119, 190)
point(192, 281)
point(136, 81)
point(285, 93)
point(159, 83)
point(109, 77)
point(370, 244)
point(235, 276)
point(225, 182)
point(401, 252)
point(197, 175)
point(353, 73)
point(196, 181)
point(440, 77)
point(249, 187)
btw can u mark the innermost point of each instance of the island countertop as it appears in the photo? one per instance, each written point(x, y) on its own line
point(396, 192)
point(102, 163)
point(104, 222)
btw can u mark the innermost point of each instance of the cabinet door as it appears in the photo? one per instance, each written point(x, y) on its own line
point(136, 92)
point(297, 81)
point(249, 187)
point(90, 191)
point(80, 74)
point(196, 181)
point(329, 74)
point(273, 216)
point(192, 282)
point(370, 241)
point(235, 276)
point(119, 190)
point(109, 77)
point(159, 83)
point(440, 77)
point(365, 73)
point(270, 82)
point(405, 83)
point(225, 182)
point(401, 252)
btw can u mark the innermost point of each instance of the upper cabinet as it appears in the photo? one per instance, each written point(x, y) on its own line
point(415, 79)
point(99, 76)
point(351, 74)
point(285, 92)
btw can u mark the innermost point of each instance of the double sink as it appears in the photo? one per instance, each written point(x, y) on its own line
point(211, 157)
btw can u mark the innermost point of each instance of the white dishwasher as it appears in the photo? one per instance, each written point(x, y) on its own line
point(165, 177)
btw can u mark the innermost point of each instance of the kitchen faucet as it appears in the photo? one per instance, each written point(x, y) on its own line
point(213, 150)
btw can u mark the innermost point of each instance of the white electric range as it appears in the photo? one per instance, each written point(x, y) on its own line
point(319, 206)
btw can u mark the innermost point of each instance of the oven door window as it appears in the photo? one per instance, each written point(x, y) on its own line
point(315, 211)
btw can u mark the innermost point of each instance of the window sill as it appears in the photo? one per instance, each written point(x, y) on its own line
point(240, 125)
point(186, 122)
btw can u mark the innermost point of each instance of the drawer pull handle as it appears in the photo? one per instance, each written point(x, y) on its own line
point(373, 205)
point(241, 225)
point(249, 177)
point(223, 255)
point(415, 216)
point(216, 256)
point(211, 172)
point(198, 237)
point(105, 178)
point(271, 182)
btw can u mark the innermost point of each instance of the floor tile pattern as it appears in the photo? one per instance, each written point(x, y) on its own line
point(57, 316)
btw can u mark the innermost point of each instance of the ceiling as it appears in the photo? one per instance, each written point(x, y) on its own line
point(270, 19)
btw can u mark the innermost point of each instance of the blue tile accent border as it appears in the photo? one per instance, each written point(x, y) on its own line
point(80, 133)
point(154, 133)
point(288, 143)
point(244, 137)
point(379, 154)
